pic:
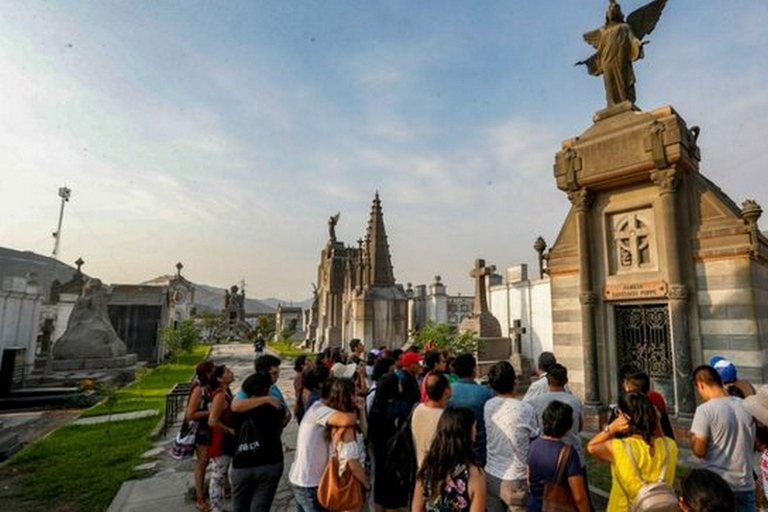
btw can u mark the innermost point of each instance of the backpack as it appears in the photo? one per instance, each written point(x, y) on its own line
point(400, 462)
point(656, 496)
point(249, 445)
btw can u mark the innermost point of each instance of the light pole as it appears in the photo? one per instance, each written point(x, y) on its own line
point(64, 194)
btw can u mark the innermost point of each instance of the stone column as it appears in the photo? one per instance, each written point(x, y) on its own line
point(667, 181)
point(582, 201)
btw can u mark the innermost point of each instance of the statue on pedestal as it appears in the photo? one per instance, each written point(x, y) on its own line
point(618, 44)
point(89, 332)
point(332, 227)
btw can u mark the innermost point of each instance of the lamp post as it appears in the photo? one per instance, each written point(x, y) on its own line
point(64, 194)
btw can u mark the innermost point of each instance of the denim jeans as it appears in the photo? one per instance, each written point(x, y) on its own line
point(745, 501)
point(253, 489)
point(306, 499)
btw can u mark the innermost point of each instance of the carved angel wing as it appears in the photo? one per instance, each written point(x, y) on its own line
point(644, 19)
point(335, 218)
point(593, 37)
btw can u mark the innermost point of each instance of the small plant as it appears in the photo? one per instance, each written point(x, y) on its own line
point(111, 397)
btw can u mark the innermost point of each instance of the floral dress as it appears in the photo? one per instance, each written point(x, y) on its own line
point(455, 494)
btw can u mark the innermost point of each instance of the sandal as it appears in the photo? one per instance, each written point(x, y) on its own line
point(202, 505)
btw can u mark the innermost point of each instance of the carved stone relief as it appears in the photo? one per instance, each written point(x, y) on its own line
point(632, 241)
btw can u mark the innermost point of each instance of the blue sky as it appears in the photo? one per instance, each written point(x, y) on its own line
point(223, 134)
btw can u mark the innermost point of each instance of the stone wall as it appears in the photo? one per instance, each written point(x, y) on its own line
point(531, 303)
point(20, 306)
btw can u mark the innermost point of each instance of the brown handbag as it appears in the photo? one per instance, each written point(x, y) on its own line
point(337, 493)
point(557, 494)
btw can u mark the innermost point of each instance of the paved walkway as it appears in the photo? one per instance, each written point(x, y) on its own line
point(170, 487)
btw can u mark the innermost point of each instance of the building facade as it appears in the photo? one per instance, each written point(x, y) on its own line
point(357, 295)
point(654, 267)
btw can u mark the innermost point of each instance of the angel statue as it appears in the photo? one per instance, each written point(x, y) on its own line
point(618, 44)
point(332, 226)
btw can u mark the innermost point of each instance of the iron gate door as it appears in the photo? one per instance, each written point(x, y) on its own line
point(643, 342)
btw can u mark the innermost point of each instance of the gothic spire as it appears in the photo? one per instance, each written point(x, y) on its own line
point(377, 248)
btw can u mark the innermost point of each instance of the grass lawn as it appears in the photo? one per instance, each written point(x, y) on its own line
point(78, 467)
point(286, 349)
point(151, 386)
point(81, 468)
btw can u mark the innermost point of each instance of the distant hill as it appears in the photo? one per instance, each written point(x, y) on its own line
point(14, 263)
point(273, 302)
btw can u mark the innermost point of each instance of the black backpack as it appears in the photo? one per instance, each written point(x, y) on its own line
point(400, 462)
point(249, 445)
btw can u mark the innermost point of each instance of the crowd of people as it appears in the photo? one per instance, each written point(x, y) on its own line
point(394, 429)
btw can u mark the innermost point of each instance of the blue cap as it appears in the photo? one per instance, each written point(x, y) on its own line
point(724, 368)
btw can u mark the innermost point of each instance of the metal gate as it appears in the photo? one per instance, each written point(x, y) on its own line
point(643, 342)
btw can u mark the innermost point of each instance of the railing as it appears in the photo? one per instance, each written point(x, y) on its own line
point(175, 403)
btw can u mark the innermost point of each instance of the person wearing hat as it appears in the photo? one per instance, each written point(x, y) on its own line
point(757, 406)
point(731, 381)
point(408, 373)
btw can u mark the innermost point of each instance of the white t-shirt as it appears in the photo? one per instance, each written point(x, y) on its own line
point(510, 424)
point(424, 427)
point(311, 447)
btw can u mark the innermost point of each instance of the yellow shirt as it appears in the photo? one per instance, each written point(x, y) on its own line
point(623, 474)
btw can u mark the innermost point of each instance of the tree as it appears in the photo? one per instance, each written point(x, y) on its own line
point(447, 337)
point(182, 338)
point(208, 322)
point(266, 326)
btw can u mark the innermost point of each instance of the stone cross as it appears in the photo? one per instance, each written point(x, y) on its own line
point(79, 263)
point(479, 273)
point(517, 330)
point(179, 266)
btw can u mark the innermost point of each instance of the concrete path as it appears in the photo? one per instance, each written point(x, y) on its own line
point(123, 416)
point(170, 488)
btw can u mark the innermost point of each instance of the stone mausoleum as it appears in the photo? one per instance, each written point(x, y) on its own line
point(655, 266)
point(357, 295)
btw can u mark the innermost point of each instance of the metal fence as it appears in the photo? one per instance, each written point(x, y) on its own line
point(175, 403)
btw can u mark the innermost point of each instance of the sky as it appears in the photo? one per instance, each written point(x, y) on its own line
point(224, 134)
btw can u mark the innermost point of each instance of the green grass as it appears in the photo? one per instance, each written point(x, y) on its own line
point(286, 349)
point(151, 386)
point(81, 468)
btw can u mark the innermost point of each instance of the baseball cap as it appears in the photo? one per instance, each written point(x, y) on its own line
point(411, 357)
point(724, 368)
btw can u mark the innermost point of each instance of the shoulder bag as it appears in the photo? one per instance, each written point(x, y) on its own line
point(337, 493)
point(557, 493)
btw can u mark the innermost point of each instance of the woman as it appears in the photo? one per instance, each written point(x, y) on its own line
point(388, 412)
point(344, 440)
point(705, 491)
point(301, 367)
point(544, 457)
point(450, 478)
point(643, 445)
point(197, 411)
point(310, 392)
point(255, 475)
point(510, 424)
point(222, 435)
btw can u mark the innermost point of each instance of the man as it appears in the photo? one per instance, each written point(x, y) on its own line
point(468, 393)
point(271, 365)
point(434, 361)
point(723, 436)
point(312, 448)
point(427, 414)
point(409, 370)
point(356, 349)
point(258, 346)
point(557, 378)
point(539, 387)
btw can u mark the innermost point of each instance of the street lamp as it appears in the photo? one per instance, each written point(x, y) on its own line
point(64, 194)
